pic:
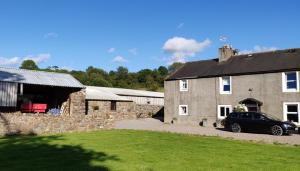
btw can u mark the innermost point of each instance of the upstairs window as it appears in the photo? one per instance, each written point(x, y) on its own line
point(183, 110)
point(225, 85)
point(290, 82)
point(183, 85)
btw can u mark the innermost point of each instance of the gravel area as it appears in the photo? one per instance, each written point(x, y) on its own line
point(156, 125)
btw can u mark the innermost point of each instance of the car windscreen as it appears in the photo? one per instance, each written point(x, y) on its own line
point(270, 117)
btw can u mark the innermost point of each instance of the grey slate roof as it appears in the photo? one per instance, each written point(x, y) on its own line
point(38, 77)
point(97, 93)
point(266, 62)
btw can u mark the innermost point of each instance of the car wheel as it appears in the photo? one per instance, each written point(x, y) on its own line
point(235, 127)
point(277, 130)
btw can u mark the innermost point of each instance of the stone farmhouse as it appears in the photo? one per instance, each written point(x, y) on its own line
point(64, 104)
point(208, 90)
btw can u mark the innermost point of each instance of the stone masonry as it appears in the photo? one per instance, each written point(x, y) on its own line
point(147, 111)
point(124, 110)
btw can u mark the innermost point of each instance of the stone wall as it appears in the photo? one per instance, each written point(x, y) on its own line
point(18, 123)
point(77, 103)
point(147, 111)
point(124, 110)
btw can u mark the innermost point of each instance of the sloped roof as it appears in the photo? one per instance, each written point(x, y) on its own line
point(38, 77)
point(97, 93)
point(266, 62)
point(131, 92)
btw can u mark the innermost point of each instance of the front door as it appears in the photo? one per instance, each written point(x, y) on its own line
point(253, 107)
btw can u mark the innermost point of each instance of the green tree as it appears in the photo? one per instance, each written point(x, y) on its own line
point(29, 64)
point(163, 71)
point(175, 66)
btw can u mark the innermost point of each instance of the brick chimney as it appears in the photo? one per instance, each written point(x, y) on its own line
point(226, 52)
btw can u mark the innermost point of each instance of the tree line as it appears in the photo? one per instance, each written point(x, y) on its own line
point(146, 79)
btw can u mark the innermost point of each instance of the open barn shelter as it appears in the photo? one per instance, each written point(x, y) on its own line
point(20, 86)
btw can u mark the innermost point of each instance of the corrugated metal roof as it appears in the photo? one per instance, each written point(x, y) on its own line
point(38, 77)
point(97, 93)
point(131, 92)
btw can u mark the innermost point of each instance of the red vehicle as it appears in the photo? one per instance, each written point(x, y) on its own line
point(33, 107)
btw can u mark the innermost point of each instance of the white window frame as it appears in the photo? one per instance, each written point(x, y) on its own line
point(285, 104)
point(219, 110)
point(284, 82)
point(222, 86)
point(181, 82)
point(180, 111)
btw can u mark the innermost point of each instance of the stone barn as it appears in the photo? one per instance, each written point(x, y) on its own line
point(124, 103)
point(20, 88)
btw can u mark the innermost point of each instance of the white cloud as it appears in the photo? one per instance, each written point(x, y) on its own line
point(111, 50)
point(119, 59)
point(133, 51)
point(257, 49)
point(180, 25)
point(6, 61)
point(9, 61)
point(43, 57)
point(181, 48)
point(50, 35)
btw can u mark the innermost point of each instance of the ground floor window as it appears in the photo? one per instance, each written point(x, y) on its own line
point(291, 112)
point(183, 109)
point(223, 111)
point(113, 105)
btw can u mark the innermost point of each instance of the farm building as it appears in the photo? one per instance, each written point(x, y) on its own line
point(127, 102)
point(29, 90)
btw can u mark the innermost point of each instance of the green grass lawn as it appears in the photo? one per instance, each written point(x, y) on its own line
point(141, 150)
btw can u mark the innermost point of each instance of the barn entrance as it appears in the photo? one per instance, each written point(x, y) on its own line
point(252, 104)
point(52, 96)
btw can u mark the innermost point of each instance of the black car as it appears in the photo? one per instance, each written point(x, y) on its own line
point(258, 122)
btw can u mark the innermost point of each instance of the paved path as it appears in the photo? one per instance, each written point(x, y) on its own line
point(156, 125)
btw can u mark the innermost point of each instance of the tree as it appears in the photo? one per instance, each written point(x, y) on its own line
point(163, 71)
point(175, 66)
point(29, 64)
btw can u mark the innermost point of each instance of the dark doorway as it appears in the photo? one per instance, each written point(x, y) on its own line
point(253, 105)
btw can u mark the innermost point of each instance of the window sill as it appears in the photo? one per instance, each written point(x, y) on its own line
point(290, 91)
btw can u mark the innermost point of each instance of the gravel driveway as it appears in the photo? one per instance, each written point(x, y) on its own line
point(156, 125)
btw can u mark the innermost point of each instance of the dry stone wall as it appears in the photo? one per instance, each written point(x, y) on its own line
point(147, 111)
point(79, 115)
point(124, 110)
point(18, 123)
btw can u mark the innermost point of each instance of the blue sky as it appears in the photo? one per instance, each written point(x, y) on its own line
point(140, 34)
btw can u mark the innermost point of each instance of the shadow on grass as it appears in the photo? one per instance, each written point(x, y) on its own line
point(40, 153)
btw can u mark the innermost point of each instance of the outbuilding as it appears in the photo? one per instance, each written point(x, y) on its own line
point(126, 103)
point(20, 89)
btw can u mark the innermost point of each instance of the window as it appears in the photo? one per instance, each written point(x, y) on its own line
point(257, 116)
point(183, 85)
point(223, 111)
point(290, 82)
point(225, 85)
point(113, 105)
point(183, 110)
point(291, 112)
point(246, 115)
point(95, 108)
point(233, 115)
